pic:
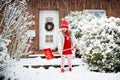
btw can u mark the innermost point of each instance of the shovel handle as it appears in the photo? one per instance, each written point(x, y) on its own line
point(64, 50)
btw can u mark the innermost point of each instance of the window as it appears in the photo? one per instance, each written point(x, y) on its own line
point(49, 38)
point(49, 19)
point(97, 13)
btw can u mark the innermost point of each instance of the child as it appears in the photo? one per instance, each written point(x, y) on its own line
point(66, 40)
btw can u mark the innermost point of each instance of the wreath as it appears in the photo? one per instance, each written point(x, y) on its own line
point(49, 26)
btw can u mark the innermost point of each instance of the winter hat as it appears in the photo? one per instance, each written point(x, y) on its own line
point(64, 24)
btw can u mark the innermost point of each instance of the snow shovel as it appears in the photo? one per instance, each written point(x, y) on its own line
point(49, 54)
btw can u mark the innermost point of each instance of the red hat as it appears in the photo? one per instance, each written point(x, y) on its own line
point(64, 24)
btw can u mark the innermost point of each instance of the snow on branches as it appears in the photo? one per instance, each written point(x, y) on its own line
point(15, 22)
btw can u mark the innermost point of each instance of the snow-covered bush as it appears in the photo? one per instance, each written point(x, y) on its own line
point(3, 49)
point(4, 57)
point(99, 40)
point(79, 20)
point(6, 63)
point(102, 47)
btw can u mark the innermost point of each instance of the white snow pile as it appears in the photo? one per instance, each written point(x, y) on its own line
point(81, 72)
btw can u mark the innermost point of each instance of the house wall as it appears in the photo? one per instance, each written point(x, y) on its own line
point(64, 7)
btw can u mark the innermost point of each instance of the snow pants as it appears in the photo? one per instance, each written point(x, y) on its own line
point(68, 57)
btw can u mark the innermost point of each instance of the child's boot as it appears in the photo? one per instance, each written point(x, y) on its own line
point(70, 69)
point(62, 70)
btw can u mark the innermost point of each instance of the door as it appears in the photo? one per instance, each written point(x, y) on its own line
point(48, 28)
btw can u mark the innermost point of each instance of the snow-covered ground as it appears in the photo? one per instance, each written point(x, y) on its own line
point(80, 72)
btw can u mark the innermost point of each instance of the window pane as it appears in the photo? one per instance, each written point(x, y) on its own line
point(49, 39)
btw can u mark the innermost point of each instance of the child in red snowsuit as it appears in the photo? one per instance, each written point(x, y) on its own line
point(66, 41)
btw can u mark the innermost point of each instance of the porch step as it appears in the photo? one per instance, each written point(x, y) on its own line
point(42, 55)
point(41, 61)
point(47, 66)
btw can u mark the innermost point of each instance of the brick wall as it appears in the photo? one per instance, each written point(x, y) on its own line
point(112, 8)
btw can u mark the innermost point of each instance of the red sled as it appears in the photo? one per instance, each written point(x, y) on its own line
point(48, 53)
